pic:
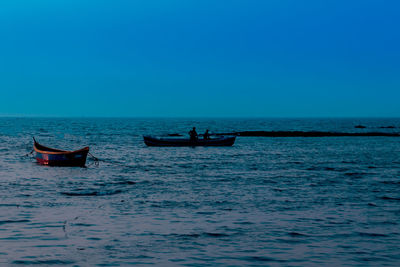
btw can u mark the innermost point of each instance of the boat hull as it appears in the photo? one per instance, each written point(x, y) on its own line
point(71, 159)
point(55, 157)
point(175, 142)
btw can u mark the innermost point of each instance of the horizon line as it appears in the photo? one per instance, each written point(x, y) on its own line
point(193, 117)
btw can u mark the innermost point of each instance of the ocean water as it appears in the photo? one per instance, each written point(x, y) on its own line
point(263, 202)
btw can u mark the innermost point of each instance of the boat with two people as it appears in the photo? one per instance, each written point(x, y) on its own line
point(172, 141)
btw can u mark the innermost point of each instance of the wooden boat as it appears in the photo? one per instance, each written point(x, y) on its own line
point(219, 141)
point(57, 157)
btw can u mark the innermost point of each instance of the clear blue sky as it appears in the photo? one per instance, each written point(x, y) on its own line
point(209, 58)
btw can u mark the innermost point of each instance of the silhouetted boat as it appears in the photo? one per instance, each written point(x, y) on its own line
point(219, 141)
point(55, 157)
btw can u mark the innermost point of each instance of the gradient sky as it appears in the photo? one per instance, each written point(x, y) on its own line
point(208, 58)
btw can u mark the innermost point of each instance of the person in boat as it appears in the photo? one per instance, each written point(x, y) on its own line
point(193, 135)
point(206, 135)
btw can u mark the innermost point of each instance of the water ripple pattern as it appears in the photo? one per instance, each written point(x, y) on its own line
point(263, 202)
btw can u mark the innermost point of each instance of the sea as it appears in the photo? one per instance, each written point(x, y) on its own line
point(265, 201)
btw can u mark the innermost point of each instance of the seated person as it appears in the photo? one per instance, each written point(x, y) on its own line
point(193, 134)
point(206, 135)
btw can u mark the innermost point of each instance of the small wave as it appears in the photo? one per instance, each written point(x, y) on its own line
point(185, 236)
point(385, 223)
point(331, 169)
point(391, 182)
point(152, 182)
point(365, 234)
point(354, 174)
point(313, 168)
point(278, 189)
point(143, 257)
point(206, 212)
point(244, 223)
point(172, 204)
point(92, 193)
point(122, 182)
point(197, 235)
point(82, 224)
point(296, 234)
point(94, 238)
point(25, 195)
point(390, 198)
point(230, 179)
point(43, 262)
point(13, 221)
point(210, 234)
point(376, 259)
point(261, 258)
point(292, 240)
point(125, 182)
point(8, 205)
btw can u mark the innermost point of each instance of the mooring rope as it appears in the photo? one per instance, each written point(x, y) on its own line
point(30, 153)
point(96, 160)
point(109, 161)
point(112, 162)
point(119, 164)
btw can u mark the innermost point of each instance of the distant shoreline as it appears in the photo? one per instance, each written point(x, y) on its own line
point(306, 134)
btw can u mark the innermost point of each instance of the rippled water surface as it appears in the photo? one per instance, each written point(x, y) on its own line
point(264, 201)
